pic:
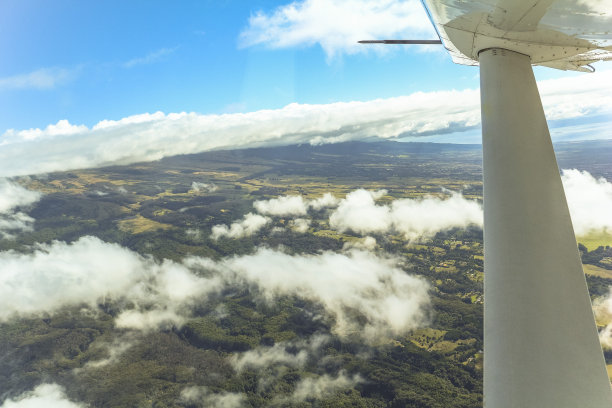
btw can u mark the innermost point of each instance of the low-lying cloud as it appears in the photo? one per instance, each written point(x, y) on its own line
point(44, 395)
point(279, 354)
point(413, 218)
point(12, 198)
point(367, 296)
point(152, 136)
point(603, 314)
point(589, 200)
point(323, 386)
point(284, 205)
point(363, 295)
point(203, 187)
point(202, 397)
point(249, 225)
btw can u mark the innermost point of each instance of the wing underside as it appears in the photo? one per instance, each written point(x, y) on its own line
point(562, 34)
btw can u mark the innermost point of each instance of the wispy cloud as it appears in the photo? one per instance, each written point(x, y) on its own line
point(13, 197)
point(196, 396)
point(337, 25)
point(150, 58)
point(152, 136)
point(41, 79)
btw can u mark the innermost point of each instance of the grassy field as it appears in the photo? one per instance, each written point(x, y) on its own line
point(595, 240)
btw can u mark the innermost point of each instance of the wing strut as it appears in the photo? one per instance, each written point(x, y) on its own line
point(541, 342)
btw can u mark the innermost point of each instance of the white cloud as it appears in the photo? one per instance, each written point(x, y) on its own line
point(264, 357)
point(249, 225)
point(327, 200)
point(43, 78)
point(44, 395)
point(425, 217)
point(150, 58)
point(203, 397)
point(368, 296)
point(12, 197)
point(390, 301)
point(602, 308)
point(61, 128)
point(358, 212)
point(589, 201)
point(284, 205)
point(115, 349)
point(300, 225)
point(413, 218)
point(337, 25)
point(149, 137)
point(60, 274)
point(149, 320)
point(203, 187)
point(320, 387)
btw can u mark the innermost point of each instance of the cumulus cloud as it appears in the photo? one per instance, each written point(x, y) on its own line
point(589, 201)
point(320, 387)
point(413, 218)
point(337, 25)
point(249, 225)
point(149, 137)
point(59, 274)
point(203, 397)
point(203, 187)
point(367, 295)
point(294, 205)
point(327, 200)
point(300, 225)
point(358, 212)
point(44, 395)
point(425, 217)
point(89, 271)
point(284, 205)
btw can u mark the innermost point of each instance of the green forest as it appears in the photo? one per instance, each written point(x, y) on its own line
point(241, 343)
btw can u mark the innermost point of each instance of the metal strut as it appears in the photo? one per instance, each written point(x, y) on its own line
point(541, 343)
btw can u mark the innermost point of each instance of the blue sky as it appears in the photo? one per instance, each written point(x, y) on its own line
point(83, 62)
point(122, 58)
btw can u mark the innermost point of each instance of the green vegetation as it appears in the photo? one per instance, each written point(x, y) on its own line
point(152, 209)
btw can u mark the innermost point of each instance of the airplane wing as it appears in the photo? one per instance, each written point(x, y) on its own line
point(562, 34)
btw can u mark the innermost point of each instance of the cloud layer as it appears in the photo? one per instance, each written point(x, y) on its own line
point(337, 25)
point(147, 137)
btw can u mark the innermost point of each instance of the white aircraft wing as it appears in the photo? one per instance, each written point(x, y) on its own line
point(562, 34)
